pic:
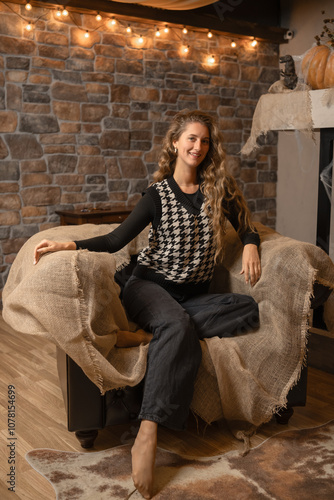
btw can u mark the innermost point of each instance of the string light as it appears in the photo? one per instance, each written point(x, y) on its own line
point(62, 11)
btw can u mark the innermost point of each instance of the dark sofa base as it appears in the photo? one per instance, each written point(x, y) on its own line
point(88, 412)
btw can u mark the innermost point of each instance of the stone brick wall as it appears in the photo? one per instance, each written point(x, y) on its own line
point(82, 119)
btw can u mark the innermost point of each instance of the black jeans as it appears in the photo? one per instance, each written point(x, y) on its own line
point(174, 353)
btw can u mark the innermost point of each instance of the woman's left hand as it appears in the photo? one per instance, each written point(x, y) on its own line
point(251, 264)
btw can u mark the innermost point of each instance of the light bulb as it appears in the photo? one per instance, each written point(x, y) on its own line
point(157, 32)
point(254, 43)
point(166, 29)
point(58, 13)
point(186, 49)
point(140, 39)
point(211, 59)
point(113, 21)
point(210, 35)
point(65, 12)
point(233, 44)
point(29, 27)
point(185, 31)
point(98, 17)
point(87, 34)
point(128, 29)
point(28, 6)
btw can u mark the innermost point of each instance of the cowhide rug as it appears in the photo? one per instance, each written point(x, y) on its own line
point(292, 465)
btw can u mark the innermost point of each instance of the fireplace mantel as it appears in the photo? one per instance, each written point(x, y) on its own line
point(301, 191)
point(305, 111)
point(292, 110)
point(322, 108)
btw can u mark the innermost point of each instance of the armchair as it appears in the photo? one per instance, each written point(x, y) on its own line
point(72, 299)
point(88, 411)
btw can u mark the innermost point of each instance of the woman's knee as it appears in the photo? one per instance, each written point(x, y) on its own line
point(249, 316)
point(253, 307)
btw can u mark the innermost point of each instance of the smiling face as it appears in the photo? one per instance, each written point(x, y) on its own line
point(192, 145)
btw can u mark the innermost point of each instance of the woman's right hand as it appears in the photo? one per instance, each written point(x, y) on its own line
point(46, 246)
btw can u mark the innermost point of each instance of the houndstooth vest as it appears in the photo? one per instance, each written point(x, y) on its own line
point(181, 246)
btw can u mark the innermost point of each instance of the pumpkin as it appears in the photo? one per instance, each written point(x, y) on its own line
point(318, 67)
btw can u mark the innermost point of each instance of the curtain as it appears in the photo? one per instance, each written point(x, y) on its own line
point(171, 4)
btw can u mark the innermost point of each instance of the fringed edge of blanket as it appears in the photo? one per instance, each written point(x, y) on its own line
point(245, 435)
point(302, 362)
point(294, 379)
point(91, 350)
point(84, 321)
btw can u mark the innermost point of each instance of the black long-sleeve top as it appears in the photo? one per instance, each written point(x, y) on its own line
point(141, 216)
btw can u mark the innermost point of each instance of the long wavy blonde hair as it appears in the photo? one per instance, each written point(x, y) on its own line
point(217, 184)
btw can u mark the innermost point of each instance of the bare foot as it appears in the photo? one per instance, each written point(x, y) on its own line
point(132, 339)
point(143, 458)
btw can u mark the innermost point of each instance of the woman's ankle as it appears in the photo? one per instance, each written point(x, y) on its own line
point(143, 458)
point(148, 428)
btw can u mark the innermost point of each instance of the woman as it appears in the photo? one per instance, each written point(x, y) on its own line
point(188, 205)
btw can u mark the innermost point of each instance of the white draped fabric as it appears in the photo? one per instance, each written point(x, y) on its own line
point(171, 4)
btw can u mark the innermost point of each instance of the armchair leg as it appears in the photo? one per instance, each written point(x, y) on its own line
point(87, 438)
point(284, 416)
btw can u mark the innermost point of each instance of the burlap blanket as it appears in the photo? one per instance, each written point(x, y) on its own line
point(72, 299)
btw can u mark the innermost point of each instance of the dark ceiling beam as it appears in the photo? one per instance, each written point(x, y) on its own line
point(190, 18)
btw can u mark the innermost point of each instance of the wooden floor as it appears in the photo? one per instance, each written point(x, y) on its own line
point(28, 363)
